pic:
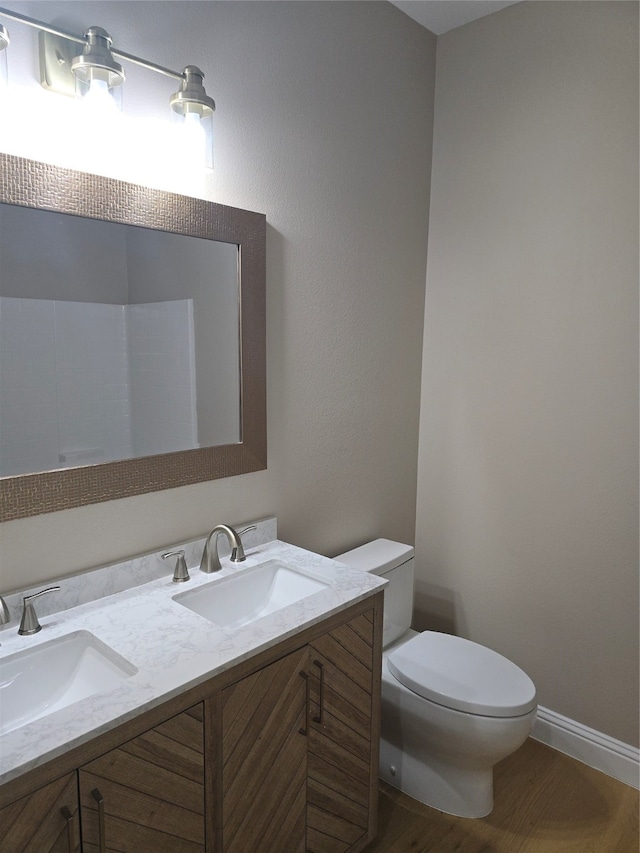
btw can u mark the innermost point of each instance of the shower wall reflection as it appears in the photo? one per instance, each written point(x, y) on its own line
point(104, 330)
point(83, 383)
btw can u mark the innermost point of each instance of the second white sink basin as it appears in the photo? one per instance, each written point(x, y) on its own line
point(239, 599)
point(52, 675)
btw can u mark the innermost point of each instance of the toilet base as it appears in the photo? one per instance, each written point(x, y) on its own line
point(462, 792)
point(440, 756)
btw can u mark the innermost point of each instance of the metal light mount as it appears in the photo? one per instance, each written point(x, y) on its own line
point(67, 72)
point(96, 63)
point(192, 97)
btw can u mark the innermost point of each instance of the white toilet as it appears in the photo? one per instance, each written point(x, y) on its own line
point(451, 709)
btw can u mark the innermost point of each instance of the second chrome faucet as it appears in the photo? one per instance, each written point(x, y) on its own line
point(210, 560)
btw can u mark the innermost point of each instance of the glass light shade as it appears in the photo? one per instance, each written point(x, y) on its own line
point(4, 43)
point(194, 110)
point(98, 76)
point(4, 77)
point(98, 96)
point(196, 135)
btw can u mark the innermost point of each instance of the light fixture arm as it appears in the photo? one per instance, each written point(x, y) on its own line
point(41, 25)
point(121, 54)
point(145, 63)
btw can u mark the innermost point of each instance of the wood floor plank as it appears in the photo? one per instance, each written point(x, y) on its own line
point(545, 802)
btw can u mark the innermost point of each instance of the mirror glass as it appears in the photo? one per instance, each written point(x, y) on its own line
point(132, 339)
point(116, 341)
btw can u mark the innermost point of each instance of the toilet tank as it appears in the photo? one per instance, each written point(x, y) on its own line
point(395, 562)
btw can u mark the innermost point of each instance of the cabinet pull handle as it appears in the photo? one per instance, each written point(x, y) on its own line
point(320, 716)
point(305, 730)
point(97, 796)
point(71, 835)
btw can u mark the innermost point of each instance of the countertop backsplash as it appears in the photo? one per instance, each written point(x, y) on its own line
point(96, 583)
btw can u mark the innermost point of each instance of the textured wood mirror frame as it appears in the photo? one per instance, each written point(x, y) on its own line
point(31, 184)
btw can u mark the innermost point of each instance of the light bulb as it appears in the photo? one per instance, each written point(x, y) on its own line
point(98, 98)
point(194, 137)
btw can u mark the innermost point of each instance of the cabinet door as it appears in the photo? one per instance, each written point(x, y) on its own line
point(43, 822)
point(147, 796)
point(342, 759)
point(264, 766)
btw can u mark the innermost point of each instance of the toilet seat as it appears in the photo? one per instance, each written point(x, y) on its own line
point(462, 675)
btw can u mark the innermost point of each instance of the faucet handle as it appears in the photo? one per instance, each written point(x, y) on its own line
point(5, 616)
point(237, 553)
point(181, 572)
point(29, 623)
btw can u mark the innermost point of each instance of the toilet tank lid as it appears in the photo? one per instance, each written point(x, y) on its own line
point(378, 557)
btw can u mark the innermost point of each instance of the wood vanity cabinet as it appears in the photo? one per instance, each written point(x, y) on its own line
point(299, 745)
point(277, 755)
point(43, 822)
point(148, 794)
point(343, 739)
point(262, 758)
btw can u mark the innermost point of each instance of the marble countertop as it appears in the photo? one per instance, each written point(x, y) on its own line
point(171, 647)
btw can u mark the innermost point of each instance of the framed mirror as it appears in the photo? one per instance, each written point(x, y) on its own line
point(132, 339)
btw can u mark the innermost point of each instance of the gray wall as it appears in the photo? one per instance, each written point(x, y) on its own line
point(324, 123)
point(527, 517)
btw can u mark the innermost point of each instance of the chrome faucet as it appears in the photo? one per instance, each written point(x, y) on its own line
point(210, 561)
point(5, 616)
point(4, 612)
point(29, 623)
point(181, 572)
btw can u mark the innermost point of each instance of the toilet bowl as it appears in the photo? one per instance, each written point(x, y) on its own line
point(451, 709)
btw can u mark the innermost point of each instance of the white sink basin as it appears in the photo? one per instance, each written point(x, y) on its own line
point(54, 674)
point(251, 594)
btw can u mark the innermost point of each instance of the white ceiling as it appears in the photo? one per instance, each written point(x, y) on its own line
point(442, 15)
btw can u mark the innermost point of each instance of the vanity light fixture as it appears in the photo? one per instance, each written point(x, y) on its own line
point(94, 74)
point(195, 109)
point(98, 76)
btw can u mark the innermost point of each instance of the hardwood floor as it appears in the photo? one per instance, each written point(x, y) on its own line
point(545, 802)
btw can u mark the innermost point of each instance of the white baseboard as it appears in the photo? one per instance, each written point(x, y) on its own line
point(599, 751)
